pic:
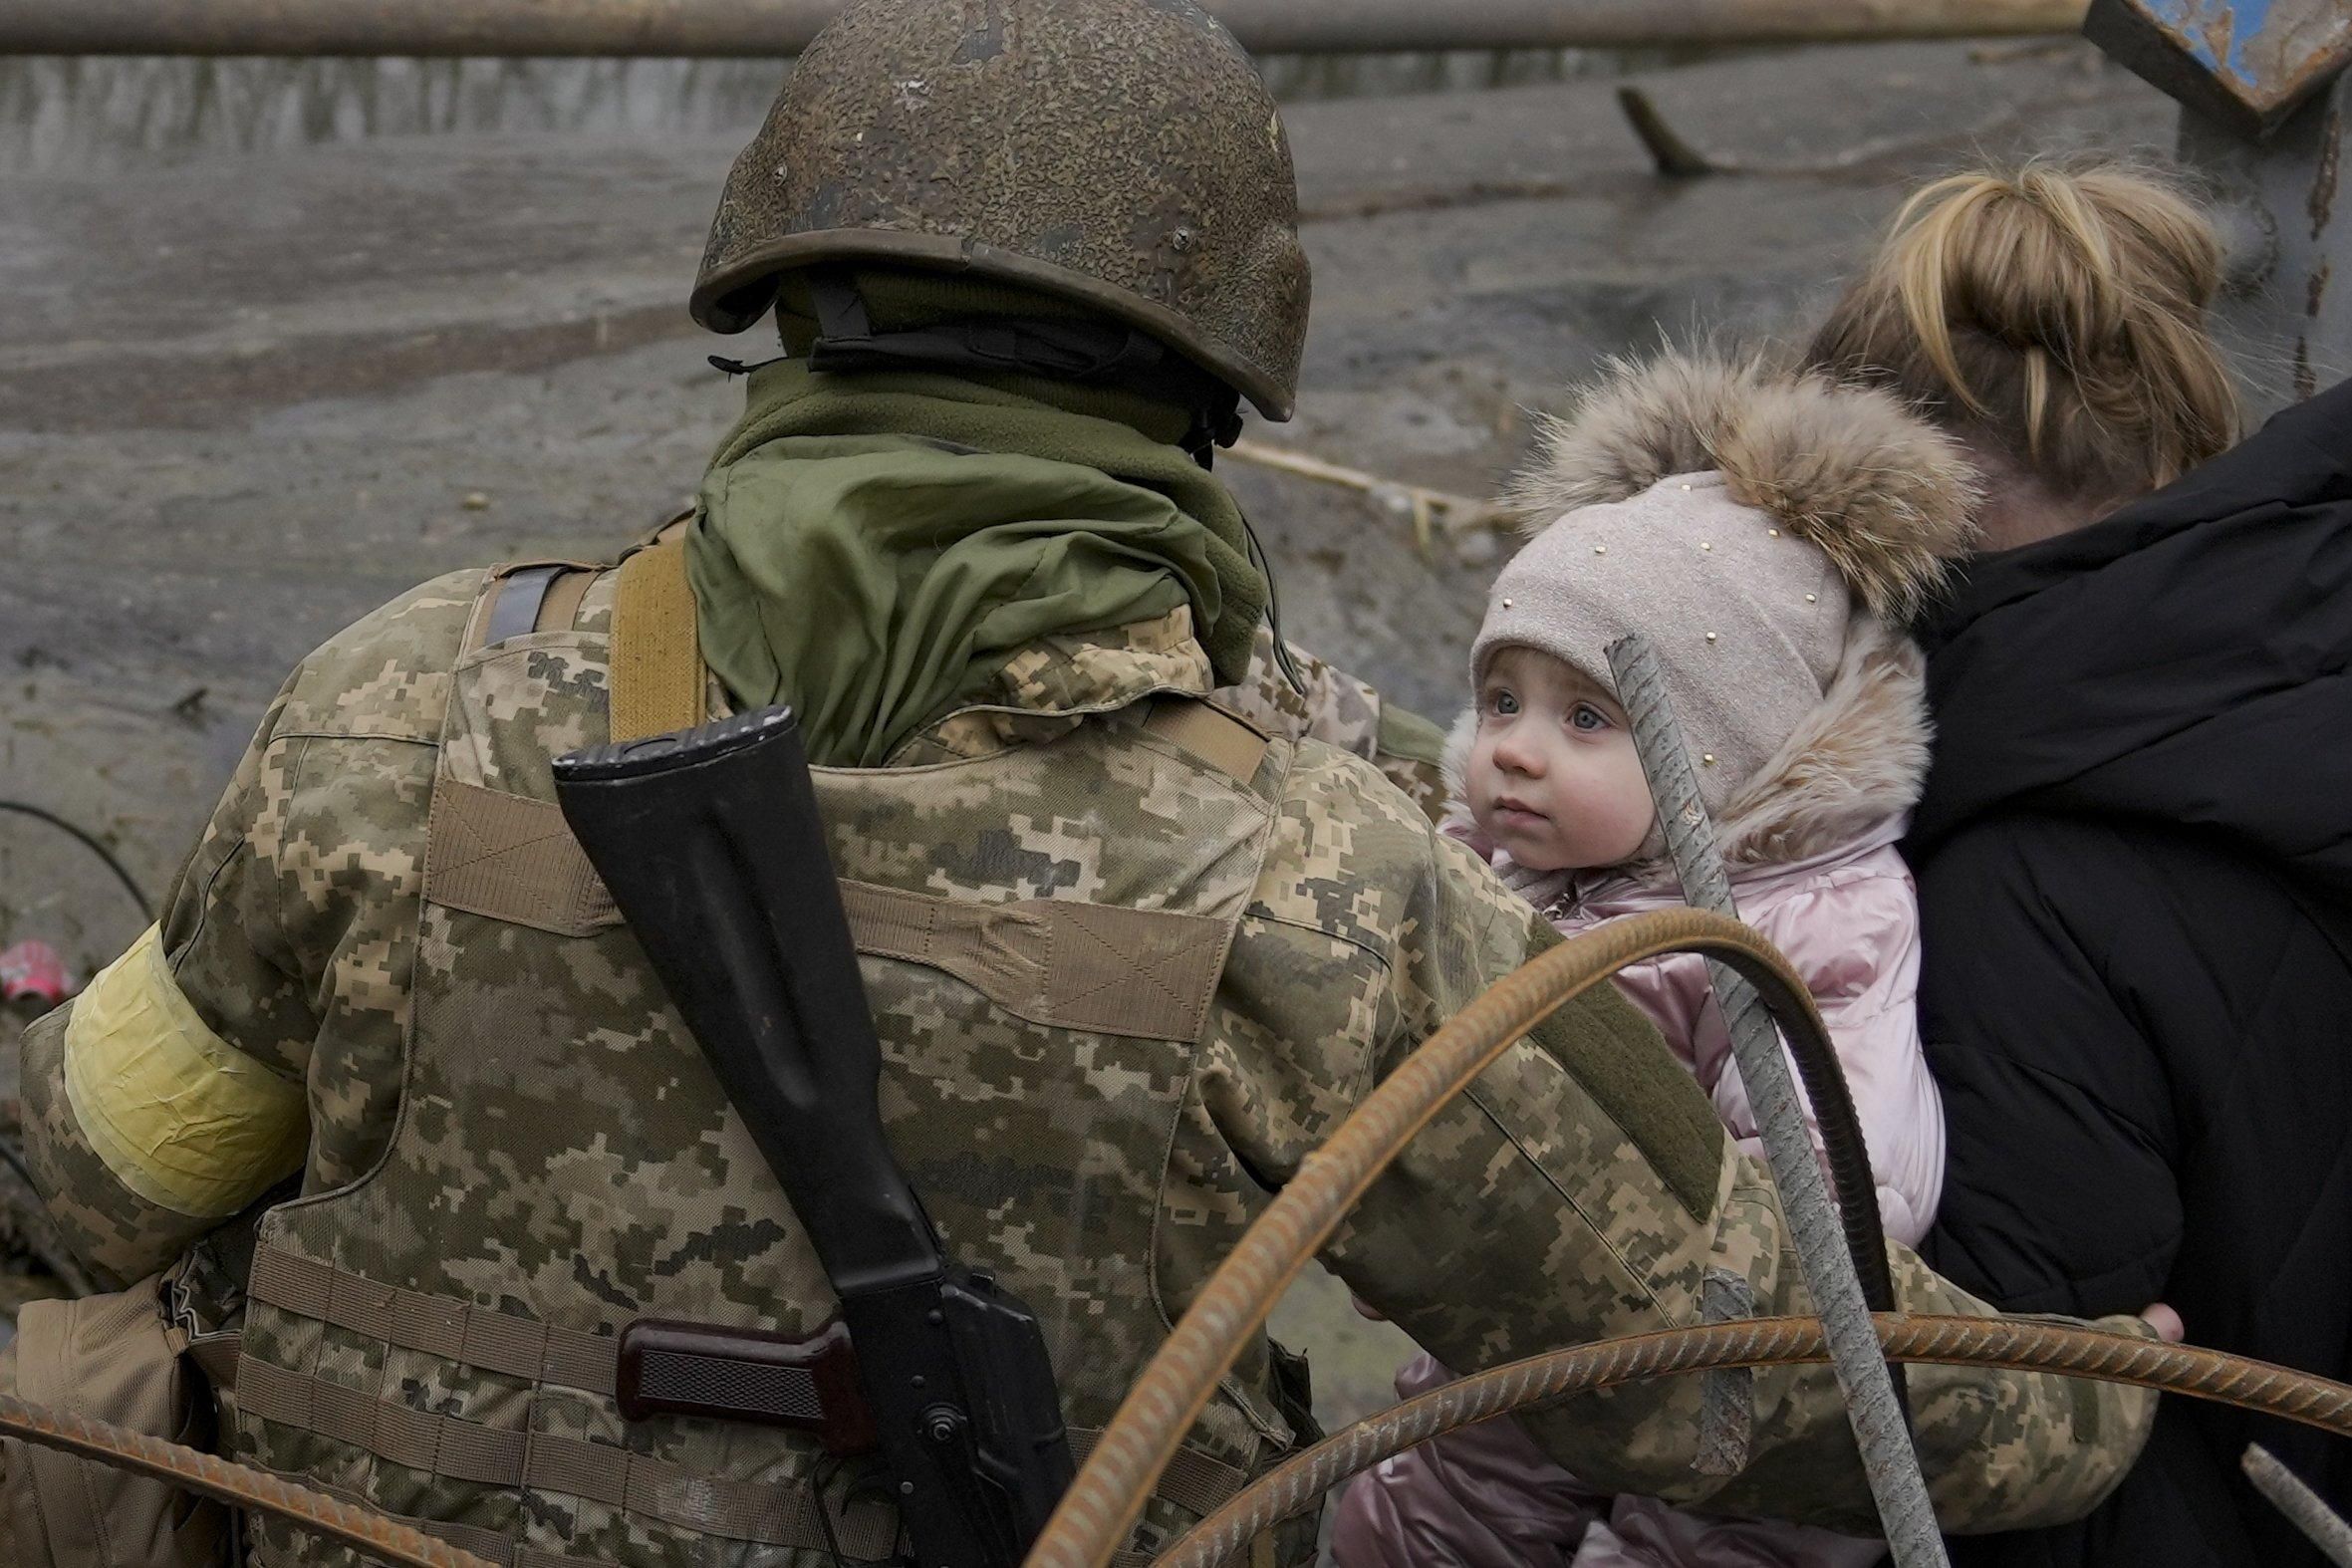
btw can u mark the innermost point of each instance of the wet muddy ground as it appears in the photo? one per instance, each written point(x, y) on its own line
point(245, 395)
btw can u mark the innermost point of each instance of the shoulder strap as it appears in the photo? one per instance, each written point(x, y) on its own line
point(657, 679)
point(530, 595)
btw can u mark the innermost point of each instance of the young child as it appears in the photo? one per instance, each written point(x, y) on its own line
point(1768, 535)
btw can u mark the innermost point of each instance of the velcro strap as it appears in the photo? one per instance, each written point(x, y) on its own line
point(1062, 963)
point(770, 1515)
point(1228, 744)
point(512, 858)
point(657, 671)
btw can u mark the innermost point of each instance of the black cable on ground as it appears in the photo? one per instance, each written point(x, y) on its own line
point(88, 841)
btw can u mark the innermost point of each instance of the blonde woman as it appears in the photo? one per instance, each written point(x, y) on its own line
point(2134, 850)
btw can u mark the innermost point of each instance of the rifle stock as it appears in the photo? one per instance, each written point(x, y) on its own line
point(711, 844)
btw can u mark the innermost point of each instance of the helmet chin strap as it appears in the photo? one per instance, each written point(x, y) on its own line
point(1083, 351)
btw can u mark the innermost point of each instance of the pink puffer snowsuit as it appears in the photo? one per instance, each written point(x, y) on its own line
point(1848, 919)
point(1809, 840)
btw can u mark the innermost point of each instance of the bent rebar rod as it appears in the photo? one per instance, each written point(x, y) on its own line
point(2018, 1345)
point(1889, 1460)
point(353, 1524)
point(1102, 1503)
point(2011, 1344)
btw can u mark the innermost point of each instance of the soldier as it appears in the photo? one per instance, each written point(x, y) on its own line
point(1129, 957)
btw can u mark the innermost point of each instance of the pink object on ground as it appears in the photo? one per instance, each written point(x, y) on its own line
point(35, 970)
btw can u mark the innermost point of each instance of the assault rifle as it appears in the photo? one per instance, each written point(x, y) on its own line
point(711, 844)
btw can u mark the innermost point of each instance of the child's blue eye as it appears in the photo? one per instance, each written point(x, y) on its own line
point(1505, 704)
point(1587, 717)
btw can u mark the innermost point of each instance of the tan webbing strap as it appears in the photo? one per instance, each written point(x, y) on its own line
point(1209, 732)
point(658, 678)
point(1062, 963)
point(561, 605)
point(769, 1516)
point(511, 858)
point(518, 1346)
point(215, 1356)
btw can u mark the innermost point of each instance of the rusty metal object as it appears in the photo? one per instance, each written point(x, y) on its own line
point(2018, 1345)
point(1122, 155)
point(2288, 326)
point(2321, 1525)
point(2245, 63)
point(1102, 1505)
point(374, 1533)
point(767, 28)
point(2261, 89)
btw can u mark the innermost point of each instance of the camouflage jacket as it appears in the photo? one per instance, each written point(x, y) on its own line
point(1582, 1190)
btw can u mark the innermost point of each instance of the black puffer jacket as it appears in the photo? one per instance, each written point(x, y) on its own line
point(2135, 870)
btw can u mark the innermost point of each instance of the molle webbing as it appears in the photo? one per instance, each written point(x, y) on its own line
point(515, 1460)
point(511, 1344)
point(658, 676)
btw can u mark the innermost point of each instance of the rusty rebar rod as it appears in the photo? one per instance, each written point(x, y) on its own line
point(760, 28)
point(2016, 1345)
point(355, 1526)
point(1100, 1506)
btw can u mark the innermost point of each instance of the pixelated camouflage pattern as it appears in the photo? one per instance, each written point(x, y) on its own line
point(1327, 703)
point(561, 1151)
point(293, 927)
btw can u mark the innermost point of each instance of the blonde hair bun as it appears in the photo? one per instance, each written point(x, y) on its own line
point(2056, 310)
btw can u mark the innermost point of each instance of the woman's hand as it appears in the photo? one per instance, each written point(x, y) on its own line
point(2165, 1322)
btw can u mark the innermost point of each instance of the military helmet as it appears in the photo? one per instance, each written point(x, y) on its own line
point(1119, 154)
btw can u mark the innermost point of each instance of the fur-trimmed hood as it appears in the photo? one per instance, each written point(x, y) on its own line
point(1886, 499)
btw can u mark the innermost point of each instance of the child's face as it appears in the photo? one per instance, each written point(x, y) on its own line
point(1553, 776)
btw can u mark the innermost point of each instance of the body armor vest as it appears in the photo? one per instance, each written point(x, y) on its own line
point(1041, 931)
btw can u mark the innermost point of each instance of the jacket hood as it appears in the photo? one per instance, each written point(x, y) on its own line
point(1857, 761)
point(1886, 498)
point(2184, 661)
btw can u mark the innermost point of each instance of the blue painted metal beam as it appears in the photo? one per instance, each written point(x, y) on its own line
point(2249, 63)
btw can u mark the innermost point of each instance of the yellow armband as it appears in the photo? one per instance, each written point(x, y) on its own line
point(183, 1118)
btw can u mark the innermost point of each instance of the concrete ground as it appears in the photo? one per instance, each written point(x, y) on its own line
point(243, 399)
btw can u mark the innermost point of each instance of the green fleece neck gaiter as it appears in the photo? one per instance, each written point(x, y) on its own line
point(873, 548)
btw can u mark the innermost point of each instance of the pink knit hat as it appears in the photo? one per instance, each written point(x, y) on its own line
point(1738, 520)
